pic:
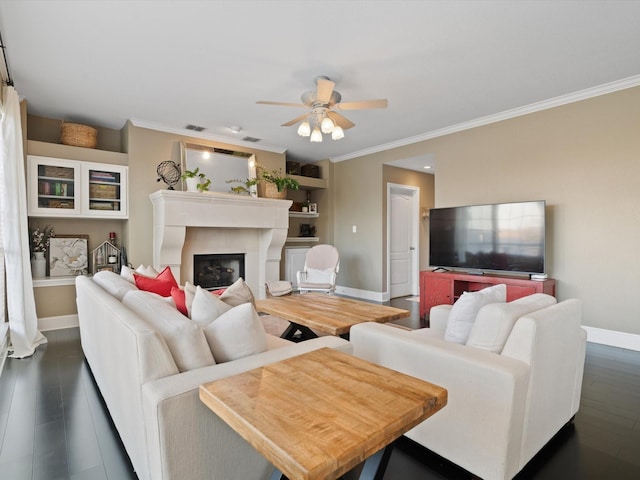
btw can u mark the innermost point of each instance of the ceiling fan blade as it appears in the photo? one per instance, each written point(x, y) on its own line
point(343, 122)
point(363, 105)
point(325, 89)
point(295, 120)
point(282, 104)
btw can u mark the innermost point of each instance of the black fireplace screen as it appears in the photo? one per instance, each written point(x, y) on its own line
point(217, 270)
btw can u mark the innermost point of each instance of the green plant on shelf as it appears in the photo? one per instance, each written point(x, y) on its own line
point(203, 186)
point(245, 187)
point(276, 177)
point(193, 174)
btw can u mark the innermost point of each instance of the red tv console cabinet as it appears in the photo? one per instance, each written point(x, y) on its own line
point(437, 288)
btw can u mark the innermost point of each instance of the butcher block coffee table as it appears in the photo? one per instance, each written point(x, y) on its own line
point(320, 414)
point(325, 313)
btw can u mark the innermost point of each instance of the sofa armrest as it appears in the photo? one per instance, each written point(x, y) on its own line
point(487, 396)
point(187, 440)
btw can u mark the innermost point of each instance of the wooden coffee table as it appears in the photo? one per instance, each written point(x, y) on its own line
point(318, 415)
point(326, 313)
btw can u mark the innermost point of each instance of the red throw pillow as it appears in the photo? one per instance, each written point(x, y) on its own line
point(179, 298)
point(219, 291)
point(161, 285)
point(167, 275)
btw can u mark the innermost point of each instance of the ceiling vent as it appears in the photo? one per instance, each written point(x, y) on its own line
point(195, 128)
point(251, 139)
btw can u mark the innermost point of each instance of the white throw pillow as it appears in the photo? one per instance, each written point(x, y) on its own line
point(113, 283)
point(315, 275)
point(189, 294)
point(185, 339)
point(464, 311)
point(236, 334)
point(238, 293)
point(127, 272)
point(494, 322)
point(206, 307)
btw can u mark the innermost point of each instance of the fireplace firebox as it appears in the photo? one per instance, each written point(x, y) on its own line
point(217, 270)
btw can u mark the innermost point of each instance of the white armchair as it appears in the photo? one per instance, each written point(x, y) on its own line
point(321, 266)
point(504, 405)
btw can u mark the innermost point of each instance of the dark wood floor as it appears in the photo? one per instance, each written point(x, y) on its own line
point(53, 424)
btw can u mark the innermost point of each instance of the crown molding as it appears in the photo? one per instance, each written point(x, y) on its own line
point(585, 94)
point(206, 136)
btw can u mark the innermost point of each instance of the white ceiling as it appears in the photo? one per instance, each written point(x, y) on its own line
point(440, 63)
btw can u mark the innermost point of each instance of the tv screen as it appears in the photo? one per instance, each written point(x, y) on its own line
point(500, 237)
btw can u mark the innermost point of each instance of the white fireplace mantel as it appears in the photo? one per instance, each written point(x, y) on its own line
point(175, 211)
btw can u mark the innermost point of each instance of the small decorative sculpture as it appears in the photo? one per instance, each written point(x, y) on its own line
point(169, 172)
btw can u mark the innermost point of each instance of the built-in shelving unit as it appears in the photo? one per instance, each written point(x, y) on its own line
point(302, 239)
point(60, 187)
point(309, 183)
point(303, 215)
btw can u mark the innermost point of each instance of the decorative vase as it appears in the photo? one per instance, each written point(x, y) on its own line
point(38, 265)
point(192, 184)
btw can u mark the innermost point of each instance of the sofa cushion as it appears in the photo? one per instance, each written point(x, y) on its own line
point(235, 334)
point(494, 322)
point(113, 283)
point(185, 339)
point(206, 307)
point(161, 284)
point(238, 293)
point(464, 311)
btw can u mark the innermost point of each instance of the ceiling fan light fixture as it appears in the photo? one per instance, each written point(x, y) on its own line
point(316, 136)
point(327, 125)
point(337, 133)
point(304, 130)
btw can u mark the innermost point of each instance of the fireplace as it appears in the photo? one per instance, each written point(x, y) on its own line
point(187, 224)
point(217, 270)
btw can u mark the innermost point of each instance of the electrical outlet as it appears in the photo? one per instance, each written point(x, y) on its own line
point(354, 229)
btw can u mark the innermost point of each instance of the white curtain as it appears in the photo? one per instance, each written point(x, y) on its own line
point(20, 302)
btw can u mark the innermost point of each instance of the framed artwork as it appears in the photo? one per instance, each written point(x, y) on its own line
point(68, 255)
point(313, 208)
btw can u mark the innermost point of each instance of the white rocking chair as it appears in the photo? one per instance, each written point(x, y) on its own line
point(321, 266)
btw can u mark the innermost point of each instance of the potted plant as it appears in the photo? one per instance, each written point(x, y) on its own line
point(247, 186)
point(39, 244)
point(203, 186)
point(194, 179)
point(275, 183)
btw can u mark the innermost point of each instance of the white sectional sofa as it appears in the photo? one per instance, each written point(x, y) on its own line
point(167, 432)
point(508, 395)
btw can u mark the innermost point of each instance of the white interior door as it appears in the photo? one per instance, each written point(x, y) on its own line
point(402, 241)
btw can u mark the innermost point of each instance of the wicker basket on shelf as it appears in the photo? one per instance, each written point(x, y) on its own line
point(270, 190)
point(78, 135)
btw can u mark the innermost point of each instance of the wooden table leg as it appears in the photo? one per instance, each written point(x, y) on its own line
point(376, 464)
point(277, 475)
point(290, 332)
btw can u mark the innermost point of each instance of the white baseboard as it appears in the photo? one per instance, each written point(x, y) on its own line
point(4, 343)
point(56, 323)
point(363, 294)
point(612, 338)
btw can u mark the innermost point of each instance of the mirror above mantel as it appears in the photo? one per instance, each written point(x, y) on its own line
point(217, 164)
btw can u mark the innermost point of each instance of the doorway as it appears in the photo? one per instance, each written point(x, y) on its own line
point(403, 202)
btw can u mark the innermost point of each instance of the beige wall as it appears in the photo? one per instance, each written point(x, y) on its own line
point(146, 149)
point(584, 160)
point(359, 195)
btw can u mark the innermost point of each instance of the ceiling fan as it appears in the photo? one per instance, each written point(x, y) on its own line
point(323, 118)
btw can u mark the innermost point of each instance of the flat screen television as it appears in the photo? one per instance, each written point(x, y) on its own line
point(503, 237)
